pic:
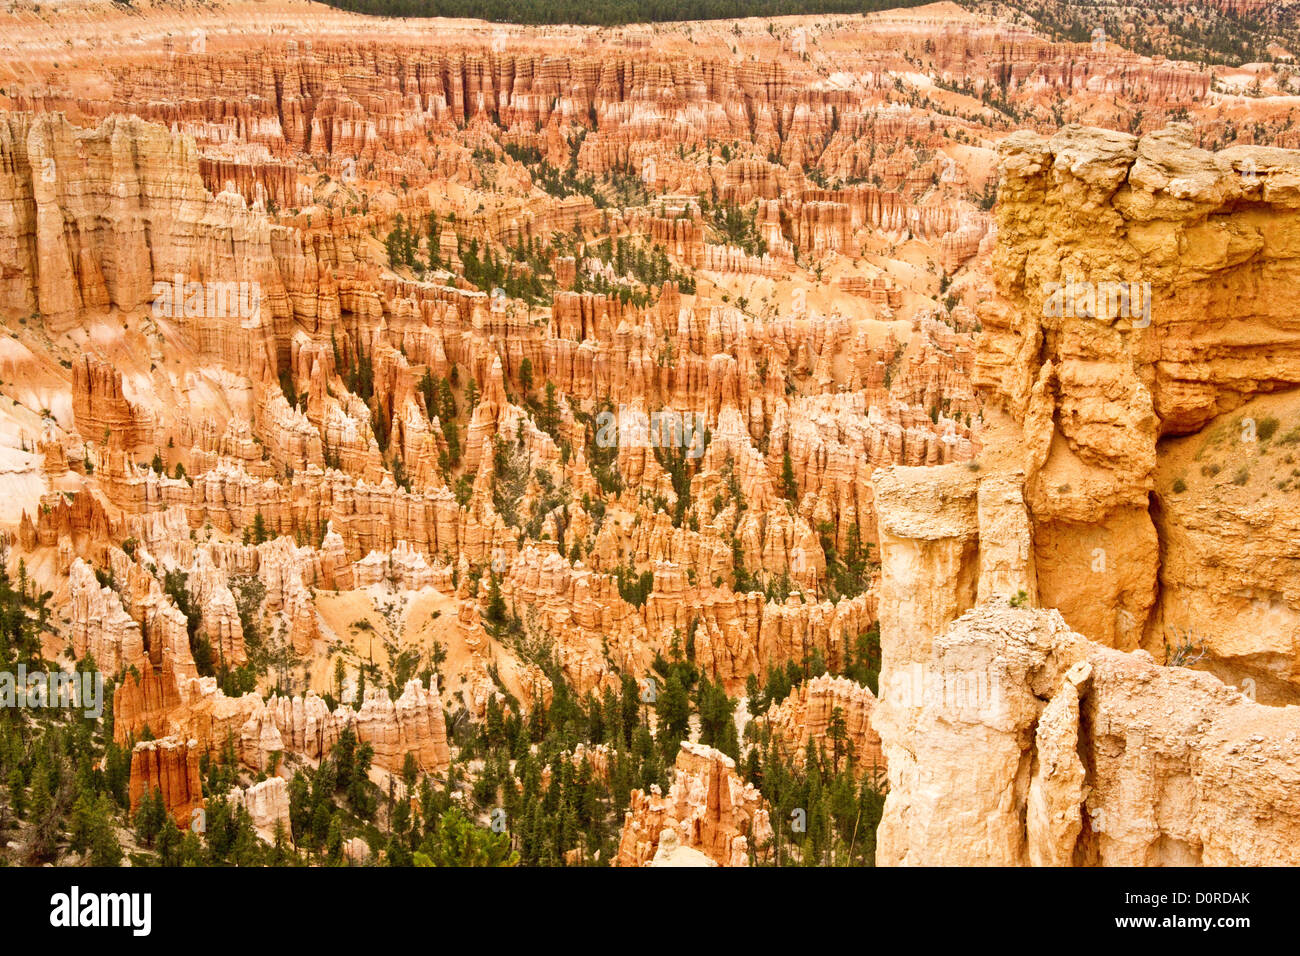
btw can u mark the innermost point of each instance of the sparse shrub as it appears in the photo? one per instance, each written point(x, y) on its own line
point(1185, 649)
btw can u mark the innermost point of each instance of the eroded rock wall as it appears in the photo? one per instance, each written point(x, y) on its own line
point(807, 716)
point(1143, 294)
point(1034, 745)
point(707, 809)
point(170, 767)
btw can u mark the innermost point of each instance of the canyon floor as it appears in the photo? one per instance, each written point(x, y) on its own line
point(811, 440)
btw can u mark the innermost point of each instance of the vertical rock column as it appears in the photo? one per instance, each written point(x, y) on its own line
point(929, 554)
point(171, 767)
point(1006, 547)
point(928, 521)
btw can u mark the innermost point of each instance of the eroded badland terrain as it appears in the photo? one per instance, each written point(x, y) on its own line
point(798, 440)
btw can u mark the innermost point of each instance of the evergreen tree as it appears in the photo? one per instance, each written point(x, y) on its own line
point(673, 708)
point(259, 528)
point(838, 734)
point(790, 487)
point(150, 817)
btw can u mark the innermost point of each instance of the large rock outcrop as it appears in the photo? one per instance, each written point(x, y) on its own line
point(258, 730)
point(1143, 294)
point(1032, 745)
point(267, 804)
point(170, 767)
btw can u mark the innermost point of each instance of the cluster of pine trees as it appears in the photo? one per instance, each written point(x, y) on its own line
point(850, 573)
point(65, 787)
point(555, 804)
point(519, 278)
point(440, 403)
point(1199, 32)
point(639, 271)
point(550, 802)
point(64, 780)
point(613, 13)
point(738, 227)
point(403, 245)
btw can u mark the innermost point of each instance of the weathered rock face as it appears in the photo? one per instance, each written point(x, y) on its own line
point(1142, 296)
point(708, 809)
point(806, 716)
point(671, 853)
point(100, 625)
point(102, 214)
point(356, 851)
point(264, 407)
point(1065, 752)
point(144, 700)
point(1228, 576)
point(169, 766)
point(414, 723)
point(734, 634)
point(99, 406)
point(929, 532)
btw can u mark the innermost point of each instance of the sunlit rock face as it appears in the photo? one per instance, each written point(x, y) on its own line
point(1070, 753)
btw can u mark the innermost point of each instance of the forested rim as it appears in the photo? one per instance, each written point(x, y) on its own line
point(1198, 31)
point(612, 12)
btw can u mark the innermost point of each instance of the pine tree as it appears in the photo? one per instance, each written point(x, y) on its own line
point(259, 528)
point(17, 791)
point(334, 843)
point(496, 606)
point(300, 809)
point(340, 677)
point(168, 844)
point(790, 487)
point(104, 847)
point(150, 817)
point(673, 708)
point(838, 733)
point(42, 813)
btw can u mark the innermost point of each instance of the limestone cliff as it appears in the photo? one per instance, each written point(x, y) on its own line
point(1033, 745)
point(1142, 295)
